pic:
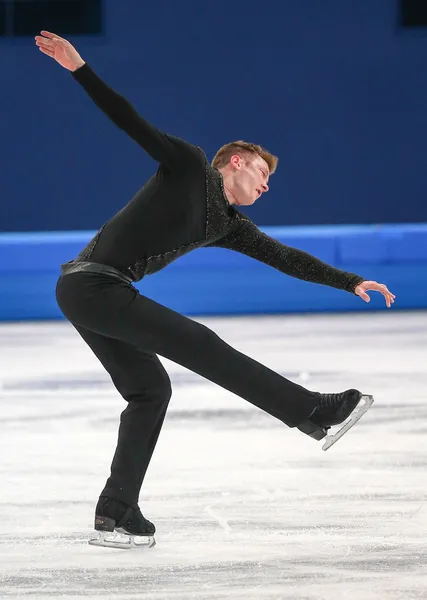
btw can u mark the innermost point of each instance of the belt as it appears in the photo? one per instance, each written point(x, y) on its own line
point(91, 267)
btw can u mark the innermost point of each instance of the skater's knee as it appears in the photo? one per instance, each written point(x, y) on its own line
point(157, 390)
point(165, 391)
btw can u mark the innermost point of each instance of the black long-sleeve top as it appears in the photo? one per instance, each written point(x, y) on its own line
point(183, 206)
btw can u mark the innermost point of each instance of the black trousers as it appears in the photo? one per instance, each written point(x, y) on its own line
point(127, 331)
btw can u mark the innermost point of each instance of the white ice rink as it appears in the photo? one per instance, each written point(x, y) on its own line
point(245, 508)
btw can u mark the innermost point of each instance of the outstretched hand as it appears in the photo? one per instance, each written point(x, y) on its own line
point(61, 50)
point(365, 286)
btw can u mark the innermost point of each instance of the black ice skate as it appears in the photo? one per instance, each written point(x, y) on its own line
point(334, 409)
point(113, 517)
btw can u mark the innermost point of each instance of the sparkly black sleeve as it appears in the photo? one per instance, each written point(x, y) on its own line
point(164, 148)
point(248, 239)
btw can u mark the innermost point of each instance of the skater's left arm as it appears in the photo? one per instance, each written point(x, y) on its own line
point(169, 150)
point(247, 239)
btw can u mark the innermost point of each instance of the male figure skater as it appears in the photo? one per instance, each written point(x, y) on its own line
point(188, 203)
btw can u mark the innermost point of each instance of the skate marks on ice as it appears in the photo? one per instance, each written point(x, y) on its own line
point(244, 507)
point(257, 558)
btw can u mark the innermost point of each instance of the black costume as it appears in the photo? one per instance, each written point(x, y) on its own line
point(182, 207)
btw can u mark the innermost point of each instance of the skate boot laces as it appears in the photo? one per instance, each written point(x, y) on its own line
point(330, 400)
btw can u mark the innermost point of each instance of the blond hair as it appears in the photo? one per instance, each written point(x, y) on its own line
point(222, 157)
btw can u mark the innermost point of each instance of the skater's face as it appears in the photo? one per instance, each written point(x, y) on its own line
point(251, 174)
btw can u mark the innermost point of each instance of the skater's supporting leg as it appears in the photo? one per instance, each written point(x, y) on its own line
point(143, 382)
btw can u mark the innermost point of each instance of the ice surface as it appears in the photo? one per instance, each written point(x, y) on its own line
point(244, 507)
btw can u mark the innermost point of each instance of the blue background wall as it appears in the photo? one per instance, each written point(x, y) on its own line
point(333, 87)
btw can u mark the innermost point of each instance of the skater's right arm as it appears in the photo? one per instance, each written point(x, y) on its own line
point(166, 149)
point(248, 239)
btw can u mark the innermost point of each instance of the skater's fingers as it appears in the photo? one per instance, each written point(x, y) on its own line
point(366, 286)
point(360, 291)
point(45, 46)
point(40, 41)
point(49, 34)
point(389, 297)
point(384, 290)
point(47, 51)
point(380, 287)
point(364, 296)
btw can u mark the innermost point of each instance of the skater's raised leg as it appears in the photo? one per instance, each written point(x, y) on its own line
point(121, 312)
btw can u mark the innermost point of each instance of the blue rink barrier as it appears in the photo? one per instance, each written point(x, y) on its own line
point(215, 281)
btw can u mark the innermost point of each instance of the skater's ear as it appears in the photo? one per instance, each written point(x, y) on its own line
point(236, 161)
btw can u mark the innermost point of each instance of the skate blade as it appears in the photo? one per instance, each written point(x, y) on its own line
point(357, 414)
point(122, 541)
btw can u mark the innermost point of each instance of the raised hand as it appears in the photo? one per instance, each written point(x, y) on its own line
point(62, 51)
point(365, 286)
